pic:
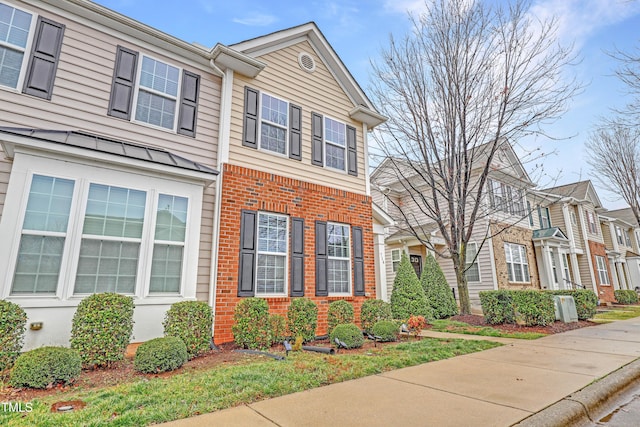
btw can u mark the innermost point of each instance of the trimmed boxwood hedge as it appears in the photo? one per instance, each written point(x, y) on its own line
point(529, 307)
point(190, 321)
point(302, 319)
point(497, 306)
point(625, 296)
point(349, 334)
point(46, 366)
point(13, 320)
point(340, 312)
point(372, 311)
point(586, 301)
point(251, 327)
point(160, 355)
point(386, 330)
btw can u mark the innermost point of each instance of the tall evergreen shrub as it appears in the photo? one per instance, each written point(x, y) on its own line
point(437, 290)
point(408, 298)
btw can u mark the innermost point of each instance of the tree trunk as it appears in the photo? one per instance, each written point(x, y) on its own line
point(463, 288)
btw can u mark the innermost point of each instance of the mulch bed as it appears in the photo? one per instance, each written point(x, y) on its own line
point(123, 371)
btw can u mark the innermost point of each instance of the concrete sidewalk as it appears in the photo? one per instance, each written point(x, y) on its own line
point(497, 387)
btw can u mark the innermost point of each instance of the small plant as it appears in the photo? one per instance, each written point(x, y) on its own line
point(160, 355)
point(46, 366)
point(12, 326)
point(191, 322)
point(101, 328)
point(251, 327)
point(437, 290)
point(349, 334)
point(340, 312)
point(278, 326)
point(626, 296)
point(386, 330)
point(297, 345)
point(416, 324)
point(302, 318)
point(372, 311)
point(408, 298)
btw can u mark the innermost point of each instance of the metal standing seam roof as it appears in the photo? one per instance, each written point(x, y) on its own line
point(111, 146)
point(546, 233)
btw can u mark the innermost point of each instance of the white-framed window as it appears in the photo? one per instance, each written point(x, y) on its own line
point(545, 217)
point(627, 238)
point(572, 214)
point(506, 198)
point(157, 90)
point(338, 258)
point(396, 255)
point(274, 122)
point(335, 138)
point(591, 222)
point(603, 273)
point(517, 264)
point(619, 237)
point(16, 28)
point(271, 268)
point(472, 268)
point(85, 229)
point(565, 269)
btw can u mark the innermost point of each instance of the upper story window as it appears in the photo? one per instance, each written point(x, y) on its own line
point(157, 93)
point(165, 96)
point(274, 120)
point(506, 198)
point(603, 273)
point(545, 217)
point(591, 222)
point(335, 136)
point(627, 238)
point(15, 26)
point(619, 237)
point(29, 51)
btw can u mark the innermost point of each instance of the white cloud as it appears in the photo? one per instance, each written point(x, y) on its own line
point(404, 6)
point(256, 20)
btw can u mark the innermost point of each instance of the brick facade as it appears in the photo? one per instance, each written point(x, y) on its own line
point(605, 292)
point(244, 188)
point(520, 236)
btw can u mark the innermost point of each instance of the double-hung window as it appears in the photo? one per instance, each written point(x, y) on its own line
point(619, 235)
point(472, 268)
point(274, 122)
point(168, 245)
point(338, 259)
point(271, 271)
point(395, 259)
point(603, 273)
point(517, 265)
point(627, 238)
point(335, 143)
point(15, 26)
point(591, 221)
point(157, 93)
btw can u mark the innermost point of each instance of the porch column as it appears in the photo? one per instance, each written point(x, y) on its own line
point(621, 276)
point(575, 269)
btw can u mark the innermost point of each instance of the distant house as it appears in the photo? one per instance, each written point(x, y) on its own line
point(622, 236)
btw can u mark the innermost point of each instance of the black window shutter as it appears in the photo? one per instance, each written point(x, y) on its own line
point(188, 104)
point(352, 152)
point(317, 148)
point(122, 87)
point(295, 132)
point(358, 261)
point(250, 136)
point(246, 269)
point(322, 289)
point(297, 257)
point(43, 62)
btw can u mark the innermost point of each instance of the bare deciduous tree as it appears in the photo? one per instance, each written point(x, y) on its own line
point(469, 77)
point(614, 156)
point(629, 73)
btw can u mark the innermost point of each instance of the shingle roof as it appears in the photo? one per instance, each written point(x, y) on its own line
point(111, 146)
point(625, 214)
point(577, 190)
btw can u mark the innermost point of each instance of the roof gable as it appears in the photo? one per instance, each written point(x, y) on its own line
point(582, 191)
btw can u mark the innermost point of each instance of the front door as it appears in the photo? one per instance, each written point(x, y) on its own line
point(416, 262)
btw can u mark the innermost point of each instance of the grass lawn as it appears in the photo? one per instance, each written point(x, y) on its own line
point(445, 325)
point(155, 400)
point(617, 313)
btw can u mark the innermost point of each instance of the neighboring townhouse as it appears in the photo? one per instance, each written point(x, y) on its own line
point(621, 232)
point(295, 204)
point(574, 208)
point(108, 159)
point(501, 253)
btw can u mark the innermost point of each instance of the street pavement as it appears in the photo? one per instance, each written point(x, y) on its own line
point(524, 382)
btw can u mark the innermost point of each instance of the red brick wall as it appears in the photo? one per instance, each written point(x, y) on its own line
point(605, 292)
point(244, 188)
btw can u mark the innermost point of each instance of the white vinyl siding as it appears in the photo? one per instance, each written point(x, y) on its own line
point(601, 267)
point(272, 263)
point(517, 265)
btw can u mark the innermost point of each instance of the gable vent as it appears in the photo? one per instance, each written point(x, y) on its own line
point(306, 62)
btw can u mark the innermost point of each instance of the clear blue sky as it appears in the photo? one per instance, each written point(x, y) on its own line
point(357, 29)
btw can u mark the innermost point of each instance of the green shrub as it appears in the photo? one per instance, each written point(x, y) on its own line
point(191, 322)
point(46, 366)
point(497, 307)
point(302, 319)
point(12, 326)
point(251, 327)
point(586, 301)
point(101, 328)
point(278, 326)
point(160, 355)
point(626, 296)
point(533, 308)
point(340, 312)
point(349, 334)
point(372, 311)
point(437, 290)
point(386, 330)
point(408, 298)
